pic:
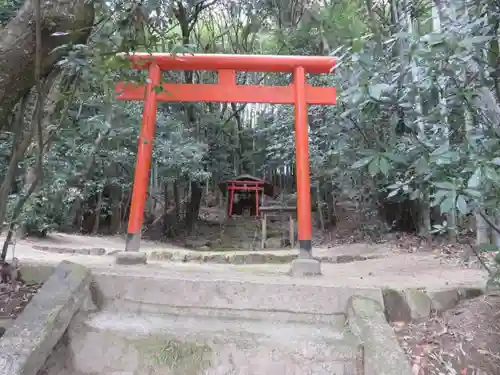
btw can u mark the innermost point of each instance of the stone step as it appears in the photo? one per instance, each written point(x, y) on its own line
point(110, 342)
point(161, 290)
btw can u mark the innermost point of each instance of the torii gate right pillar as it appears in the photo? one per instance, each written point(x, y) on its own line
point(302, 161)
point(305, 264)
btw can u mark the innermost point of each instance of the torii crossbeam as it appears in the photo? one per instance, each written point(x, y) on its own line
point(299, 94)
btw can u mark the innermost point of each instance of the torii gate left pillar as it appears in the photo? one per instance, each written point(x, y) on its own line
point(299, 94)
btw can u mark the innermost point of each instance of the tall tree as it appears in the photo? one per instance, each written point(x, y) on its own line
point(63, 23)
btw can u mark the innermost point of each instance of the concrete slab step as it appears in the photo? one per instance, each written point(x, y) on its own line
point(109, 342)
point(157, 289)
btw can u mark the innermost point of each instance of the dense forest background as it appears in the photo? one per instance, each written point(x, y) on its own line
point(413, 143)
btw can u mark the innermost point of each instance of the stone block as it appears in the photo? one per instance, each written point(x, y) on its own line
point(396, 308)
point(305, 267)
point(130, 258)
point(91, 351)
point(159, 255)
point(419, 303)
point(442, 300)
point(206, 291)
point(406, 305)
point(471, 292)
point(383, 355)
point(345, 259)
point(35, 272)
point(27, 344)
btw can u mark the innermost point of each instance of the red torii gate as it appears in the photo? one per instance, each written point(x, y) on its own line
point(299, 93)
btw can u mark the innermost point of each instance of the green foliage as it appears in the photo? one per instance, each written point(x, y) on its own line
point(8, 10)
point(417, 114)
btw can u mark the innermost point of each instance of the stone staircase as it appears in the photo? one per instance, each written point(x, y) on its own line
point(225, 320)
point(112, 342)
point(204, 325)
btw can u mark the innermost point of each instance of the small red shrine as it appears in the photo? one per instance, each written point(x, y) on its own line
point(245, 192)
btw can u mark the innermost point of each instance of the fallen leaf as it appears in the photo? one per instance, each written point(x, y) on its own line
point(399, 326)
point(416, 369)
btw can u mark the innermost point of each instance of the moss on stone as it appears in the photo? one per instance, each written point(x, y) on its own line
point(179, 357)
point(419, 303)
point(396, 308)
point(36, 273)
point(78, 272)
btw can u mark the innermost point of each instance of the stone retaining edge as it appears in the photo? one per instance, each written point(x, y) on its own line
point(69, 250)
point(382, 353)
point(35, 272)
point(419, 303)
point(210, 257)
point(248, 258)
point(26, 345)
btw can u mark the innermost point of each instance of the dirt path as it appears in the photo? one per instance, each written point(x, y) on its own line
point(392, 269)
point(111, 244)
point(398, 273)
point(73, 241)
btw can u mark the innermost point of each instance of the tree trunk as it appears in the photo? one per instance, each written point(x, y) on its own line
point(63, 22)
point(319, 204)
point(177, 200)
point(495, 236)
point(97, 213)
point(194, 206)
point(238, 151)
point(165, 207)
point(482, 235)
point(23, 138)
point(116, 209)
point(17, 152)
point(424, 223)
point(187, 18)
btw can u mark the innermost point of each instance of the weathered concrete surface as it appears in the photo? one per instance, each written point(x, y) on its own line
point(155, 287)
point(395, 307)
point(130, 257)
point(36, 273)
point(382, 353)
point(412, 303)
point(72, 250)
point(26, 345)
point(442, 300)
point(253, 257)
point(113, 343)
point(121, 306)
point(419, 303)
point(220, 257)
point(305, 267)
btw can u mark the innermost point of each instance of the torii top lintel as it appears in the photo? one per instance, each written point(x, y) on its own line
point(227, 89)
point(247, 63)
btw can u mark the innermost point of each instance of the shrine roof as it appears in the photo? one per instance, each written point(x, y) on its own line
point(269, 189)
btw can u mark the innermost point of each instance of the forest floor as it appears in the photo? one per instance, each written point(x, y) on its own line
point(13, 299)
point(464, 340)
